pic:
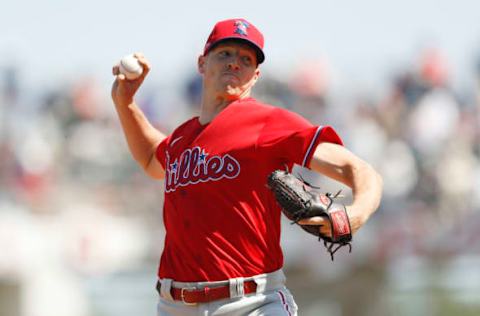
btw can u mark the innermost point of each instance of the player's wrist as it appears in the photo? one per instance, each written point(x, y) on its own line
point(123, 102)
point(356, 216)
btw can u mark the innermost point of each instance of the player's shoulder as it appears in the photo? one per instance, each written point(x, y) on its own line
point(272, 114)
point(185, 126)
point(250, 101)
point(190, 122)
point(257, 107)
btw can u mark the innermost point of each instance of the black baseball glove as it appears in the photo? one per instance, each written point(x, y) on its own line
point(299, 201)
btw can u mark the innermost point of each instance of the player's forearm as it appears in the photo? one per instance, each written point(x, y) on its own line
point(141, 136)
point(367, 187)
point(340, 164)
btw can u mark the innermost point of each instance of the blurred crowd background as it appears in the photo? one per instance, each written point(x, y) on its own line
point(81, 226)
point(81, 229)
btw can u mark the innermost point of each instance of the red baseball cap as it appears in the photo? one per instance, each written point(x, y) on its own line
point(237, 29)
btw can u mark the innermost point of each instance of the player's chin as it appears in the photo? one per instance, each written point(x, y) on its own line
point(231, 84)
point(233, 90)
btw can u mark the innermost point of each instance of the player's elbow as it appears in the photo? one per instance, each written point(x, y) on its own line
point(361, 171)
point(374, 177)
point(153, 168)
point(158, 175)
point(373, 181)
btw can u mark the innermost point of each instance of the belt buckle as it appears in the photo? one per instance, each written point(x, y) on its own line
point(182, 295)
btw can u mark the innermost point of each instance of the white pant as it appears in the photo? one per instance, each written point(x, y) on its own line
point(272, 298)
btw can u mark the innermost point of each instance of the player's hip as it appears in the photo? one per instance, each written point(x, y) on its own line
point(264, 293)
point(270, 303)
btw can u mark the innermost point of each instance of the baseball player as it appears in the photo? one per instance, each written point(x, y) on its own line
point(222, 252)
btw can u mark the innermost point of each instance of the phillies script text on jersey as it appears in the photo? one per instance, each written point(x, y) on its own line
point(194, 165)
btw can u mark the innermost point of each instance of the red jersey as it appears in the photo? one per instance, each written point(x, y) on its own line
point(221, 220)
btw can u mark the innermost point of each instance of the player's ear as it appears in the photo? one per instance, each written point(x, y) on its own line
point(256, 75)
point(201, 64)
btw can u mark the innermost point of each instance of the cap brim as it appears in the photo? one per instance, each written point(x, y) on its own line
point(259, 51)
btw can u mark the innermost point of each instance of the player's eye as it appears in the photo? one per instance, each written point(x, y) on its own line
point(224, 53)
point(247, 60)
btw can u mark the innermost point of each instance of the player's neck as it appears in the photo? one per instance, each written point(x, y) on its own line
point(211, 107)
point(210, 110)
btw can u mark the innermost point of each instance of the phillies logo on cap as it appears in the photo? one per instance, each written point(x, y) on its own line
point(236, 29)
point(241, 28)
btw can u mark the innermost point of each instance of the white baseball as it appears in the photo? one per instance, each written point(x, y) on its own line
point(130, 67)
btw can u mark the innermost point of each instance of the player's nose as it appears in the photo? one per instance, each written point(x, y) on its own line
point(233, 66)
point(233, 63)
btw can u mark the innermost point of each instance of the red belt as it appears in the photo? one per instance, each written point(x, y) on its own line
point(192, 296)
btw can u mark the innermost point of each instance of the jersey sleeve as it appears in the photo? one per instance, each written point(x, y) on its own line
point(160, 153)
point(292, 139)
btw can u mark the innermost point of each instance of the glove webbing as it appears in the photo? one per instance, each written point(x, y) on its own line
point(301, 214)
point(330, 245)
